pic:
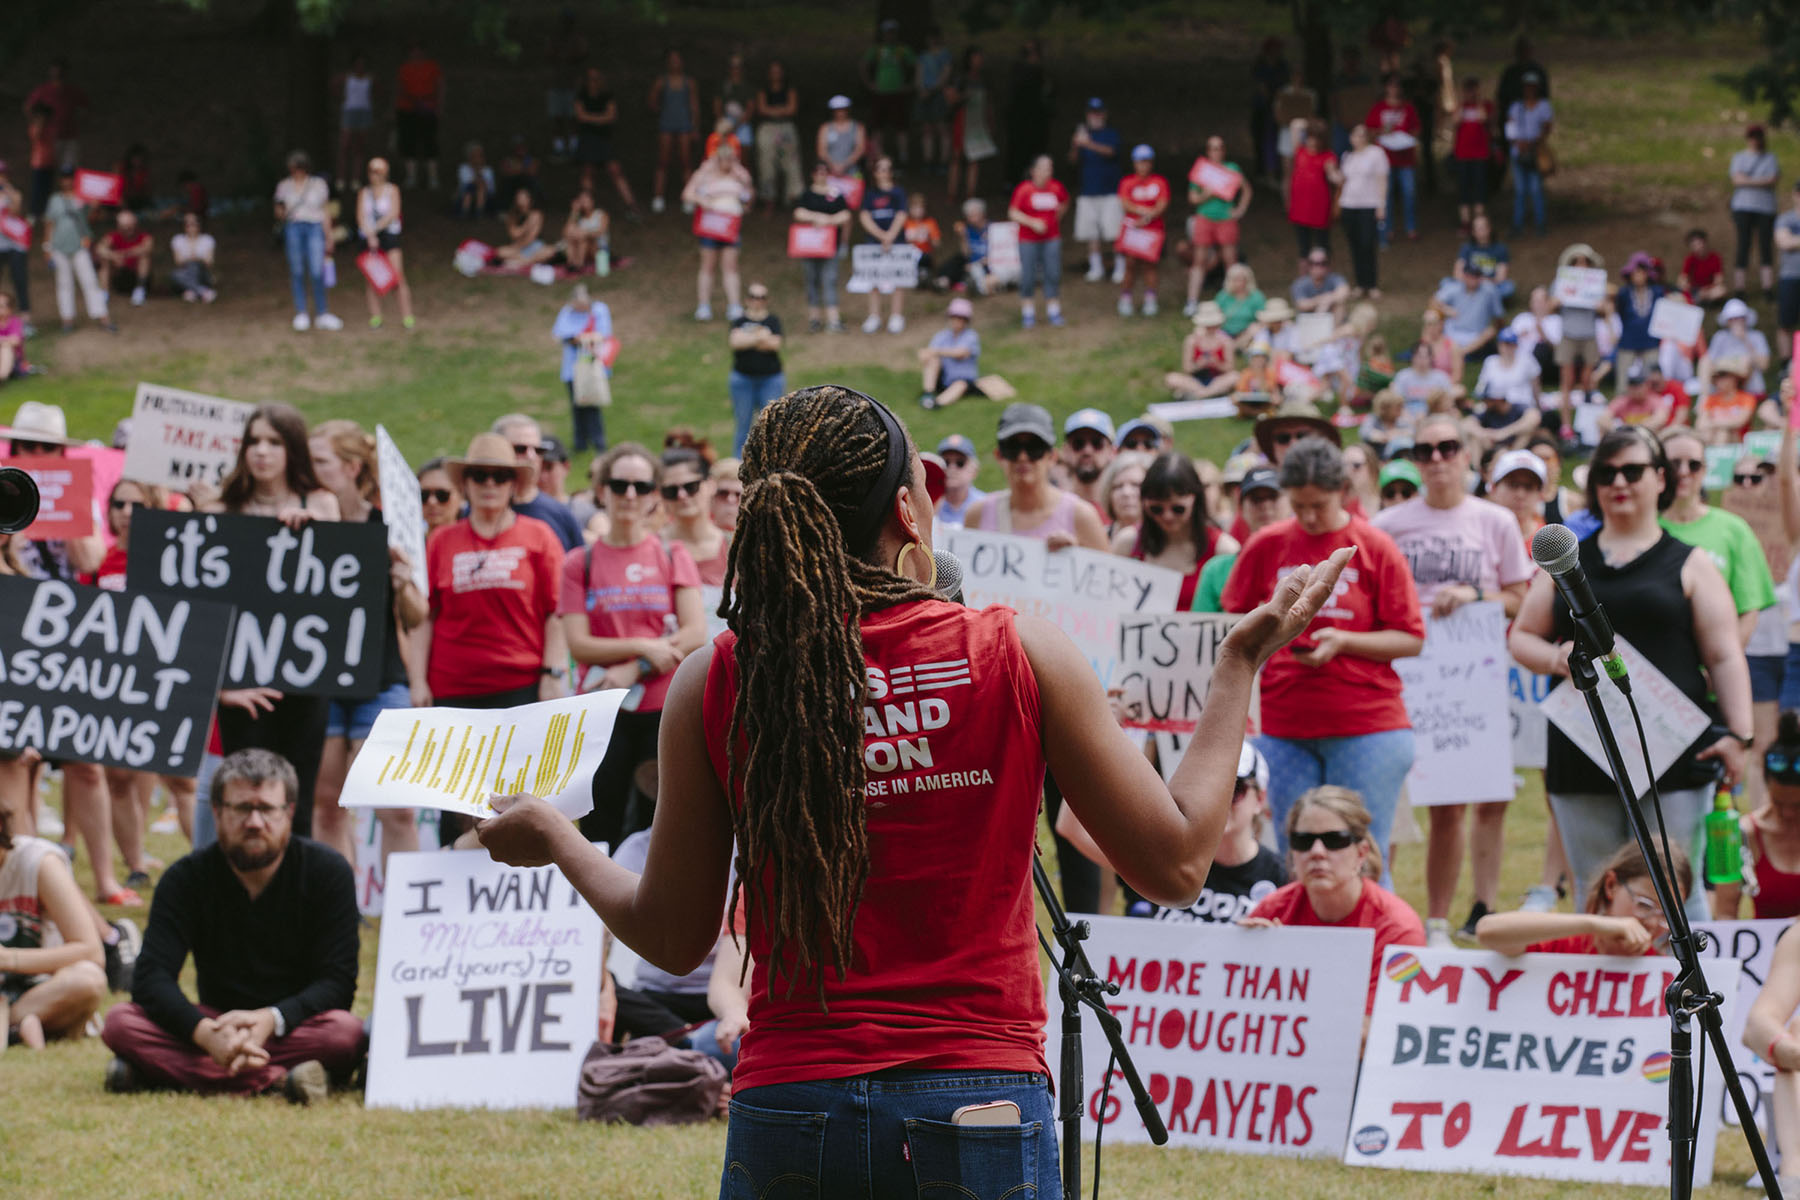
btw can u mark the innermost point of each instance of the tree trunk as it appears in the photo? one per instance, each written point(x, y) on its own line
point(309, 93)
point(1314, 32)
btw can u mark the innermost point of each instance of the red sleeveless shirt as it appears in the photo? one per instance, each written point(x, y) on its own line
point(944, 967)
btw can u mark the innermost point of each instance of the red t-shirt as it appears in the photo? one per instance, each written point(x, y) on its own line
point(1040, 202)
point(63, 100)
point(1395, 118)
point(111, 574)
point(1348, 696)
point(1309, 194)
point(1392, 919)
point(944, 970)
point(1579, 943)
point(1702, 269)
point(1145, 191)
point(1473, 122)
point(419, 80)
point(118, 243)
point(626, 592)
point(490, 599)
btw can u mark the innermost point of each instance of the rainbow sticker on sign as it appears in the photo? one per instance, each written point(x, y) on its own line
point(1402, 967)
point(1656, 1067)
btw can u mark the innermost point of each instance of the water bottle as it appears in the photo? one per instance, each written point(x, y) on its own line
point(1723, 840)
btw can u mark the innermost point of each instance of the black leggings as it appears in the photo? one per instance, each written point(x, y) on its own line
point(453, 825)
point(619, 809)
point(1757, 226)
point(1360, 232)
point(1080, 874)
point(296, 731)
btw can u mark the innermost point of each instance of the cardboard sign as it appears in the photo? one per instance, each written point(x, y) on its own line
point(1140, 242)
point(1750, 944)
point(126, 679)
point(312, 605)
point(1456, 698)
point(1580, 287)
point(874, 269)
point(486, 986)
point(1003, 250)
point(1552, 1065)
point(100, 187)
point(180, 438)
point(718, 226)
point(1722, 460)
point(402, 507)
point(850, 187)
point(1210, 409)
point(1241, 1035)
point(16, 228)
point(371, 878)
point(1671, 721)
point(1677, 320)
point(65, 496)
point(1220, 181)
point(1760, 506)
point(1166, 662)
point(1525, 692)
point(1085, 593)
point(376, 268)
point(1312, 330)
point(811, 241)
point(458, 759)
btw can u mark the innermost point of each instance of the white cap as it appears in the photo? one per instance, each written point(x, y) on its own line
point(838, 101)
point(1252, 765)
point(1517, 460)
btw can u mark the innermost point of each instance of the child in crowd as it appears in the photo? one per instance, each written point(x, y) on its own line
point(1622, 916)
point(1702, 271)
point(1386, 421)
point(474, 183)
point(12, 341)
point(922, 231)
point(1206, 357)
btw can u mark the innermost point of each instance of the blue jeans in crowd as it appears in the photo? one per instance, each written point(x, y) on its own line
point(306, 264)
point(1528, 184)
point(205, 832)
point(1374, 766)
point(749, 395)
point(587, 422)
point(1040, 260)
point(1402, 187)
point(888, 1136)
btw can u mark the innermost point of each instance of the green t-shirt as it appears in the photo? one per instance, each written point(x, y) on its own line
point(892, 67)
point(1215, 209)
point(68, 223)
point(1240, 313)
point(1736, 552)
point(1212, 584)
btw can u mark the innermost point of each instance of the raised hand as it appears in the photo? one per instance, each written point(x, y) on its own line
point(1286, 614)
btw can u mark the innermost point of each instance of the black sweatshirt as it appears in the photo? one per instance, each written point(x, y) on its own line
point(293, 948)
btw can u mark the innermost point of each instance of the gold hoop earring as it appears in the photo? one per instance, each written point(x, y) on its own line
point(906, 551)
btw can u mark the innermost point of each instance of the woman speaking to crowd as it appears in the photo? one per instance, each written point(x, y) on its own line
point(896, 974)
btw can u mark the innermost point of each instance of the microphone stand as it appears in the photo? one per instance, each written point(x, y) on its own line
point(1078, 984)
point(1688, 996)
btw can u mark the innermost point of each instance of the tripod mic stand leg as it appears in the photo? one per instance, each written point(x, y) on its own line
point(1714, 1027)
point(1681, 1104)
point(1072, 1089)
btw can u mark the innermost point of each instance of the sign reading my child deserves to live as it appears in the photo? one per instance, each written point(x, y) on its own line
point(1554, 1065)
point(1243, 1036)
point(312, 604)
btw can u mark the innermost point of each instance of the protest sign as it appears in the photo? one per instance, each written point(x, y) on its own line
point(1082, 592)
point(877, 269)
point(402, 507)
point(1553, 1065)
point(811, 241)
point(1208, 409)
point(1312, 330)
point(312, 605)
point(1750, 944)
point(1530, 728)
point(180, 438)
point(1456, 698)
point(100, 187)
point(120, 678)
point(1165, 665)
point(1220, 180)
point(1241, 1035)
point(15, 228)
point(1140, 242)
point(1760, 506)
point(456, 759)
point(1580, 287)
point(368, 839)
point(850, 187)
point(378, 270)
point(710, 599)
point(1676, 319)
point(1003, 260)
point(717, 226)
point(1671, 721)
point(486, 986)
point(1721, 460)
point(65, 495)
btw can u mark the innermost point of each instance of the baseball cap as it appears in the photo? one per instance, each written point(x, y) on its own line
point(1258, 479)
point(1096, 104)
point(960, 307)
point(1089, 418)
point(1030, 419)
point(1404, 472)
point(1136, 425)
point(956, 443)
point(1507, 337)
point(552, 450)
point(1517, 460)
point(1142, 151)
point(934, 475)
point(838, 101)
point(1252, 765)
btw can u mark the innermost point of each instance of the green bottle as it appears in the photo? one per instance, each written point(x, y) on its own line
point(1723, 839)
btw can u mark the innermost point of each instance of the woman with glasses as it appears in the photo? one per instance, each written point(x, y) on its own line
point(1671, 603)
point(687, 496)
point(1332, 712)
point(1334, 860)
point(378, 225)
point(630, 605)
point(437, 496)
point(1771, 836)
point(1176, 531)
point(756, 374)
point(1400, 482)
point(728, 493)
point(1726, 536)
point(1622, 916)
point(1031, 505)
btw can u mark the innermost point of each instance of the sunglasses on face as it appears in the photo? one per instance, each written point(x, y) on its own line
point(955, 462)
point(1032, 448)
point(1173, 510)
point(1424, 452)
point(1782, 766)
point(1143, 443)
point(1288, 435)
point(1398, 491)
point(488, 475)
point(1335, 839)
point(757, 297)
point(729, 493)
point(524, 448)
point(1691, 465)
point(36, 448)
point(1751, 480)
point(123, 505)
point(436, 495)
point(1605, 475)
point(672, 490)
point(1085, 441)
point(619, 487)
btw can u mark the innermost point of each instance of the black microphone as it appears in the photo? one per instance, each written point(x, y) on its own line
point(949, 583)
point(1555, 549)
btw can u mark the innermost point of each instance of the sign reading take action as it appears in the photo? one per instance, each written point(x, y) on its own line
point(179, 438)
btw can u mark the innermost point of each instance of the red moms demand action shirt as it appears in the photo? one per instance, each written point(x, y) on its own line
point(1042, 203)
point(1146, 191)
point(944, 967)
point(489, 601)
point(1348, 696)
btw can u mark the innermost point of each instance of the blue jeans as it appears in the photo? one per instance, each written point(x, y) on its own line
point(205, 832)
point(1374, 766)
point(586, 421)
point(888, 1136)
point(1528, 184)
point(306, 264)
point(1040, 260)
point(1402, 187)
point(749, 395)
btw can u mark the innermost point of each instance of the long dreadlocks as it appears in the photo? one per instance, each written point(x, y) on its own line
point(797, 592)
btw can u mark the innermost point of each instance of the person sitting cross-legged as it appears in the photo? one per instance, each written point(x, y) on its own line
point(951, 363)
point(271, 921)
point(51, 978)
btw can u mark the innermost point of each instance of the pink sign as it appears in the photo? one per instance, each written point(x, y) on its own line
point(100, 187)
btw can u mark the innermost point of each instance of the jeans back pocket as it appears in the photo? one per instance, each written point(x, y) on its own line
point(772, 1155)
point(973, 1162)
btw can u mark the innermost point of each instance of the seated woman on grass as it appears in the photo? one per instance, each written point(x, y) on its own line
point(51, 977)
point(585, 233)
point(525, 245)
point(1622, 915)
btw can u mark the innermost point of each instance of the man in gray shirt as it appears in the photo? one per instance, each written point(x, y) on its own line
point(1753, 175)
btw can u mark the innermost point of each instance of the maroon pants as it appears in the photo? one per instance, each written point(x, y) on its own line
point(334, 1038)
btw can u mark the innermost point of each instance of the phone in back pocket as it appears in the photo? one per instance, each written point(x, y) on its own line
point(999, 1112)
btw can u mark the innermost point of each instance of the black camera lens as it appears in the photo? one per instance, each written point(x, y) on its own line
point(18, 500)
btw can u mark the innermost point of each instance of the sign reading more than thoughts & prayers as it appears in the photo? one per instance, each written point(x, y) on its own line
point(874, 268)
point(1456, 698)
point(181, 438)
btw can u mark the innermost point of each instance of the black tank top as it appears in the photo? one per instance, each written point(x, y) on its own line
point(1647, 607)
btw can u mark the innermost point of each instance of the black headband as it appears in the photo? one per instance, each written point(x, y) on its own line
point(873, 510)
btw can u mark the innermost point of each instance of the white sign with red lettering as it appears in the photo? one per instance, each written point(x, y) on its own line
point(179, 438)
point(1552, 1065)
point(1750, 944)
point(1241, 1035)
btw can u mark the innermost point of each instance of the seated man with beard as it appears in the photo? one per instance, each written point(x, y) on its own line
point(271, 921)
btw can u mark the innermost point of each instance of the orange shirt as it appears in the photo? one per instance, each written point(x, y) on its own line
point(923, 234)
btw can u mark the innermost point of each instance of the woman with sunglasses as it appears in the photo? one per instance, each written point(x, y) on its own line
point(1771, 835)
point(1622, 916)
point(1724, 535)
point(1334, 859)
point(687, 496)
point(1031, 505)
point(437, 496)
point(630, 604)
point(1176, 531)
point(865, 1031)
point(1671, 603)
point(1331, 705)
point(1461, 550)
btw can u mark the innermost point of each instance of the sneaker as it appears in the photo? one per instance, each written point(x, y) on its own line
point(815, 326)
point(703, 313)
point(50, 825)
point(1149, 306)
point(409, 322)
point(190, 296)
point(1437, 934)
point(834, 327)
point(207, 295)
point(1028, 320)
point(733, 311)
point(1096, 272)
point(137, 297)
point(1056, 318)
point(137, 879)
point(1190, 308)
point(121, 1077)
point(302, 322)
point(1466, 934)
point(872, 324)
point(328, 321)
point(1125, 306)
point(1539, 898)
point(1118, 270)
point(305, 1083)
point(896, 323)
point(657, 204)
point(374, 322)
point(927, 401)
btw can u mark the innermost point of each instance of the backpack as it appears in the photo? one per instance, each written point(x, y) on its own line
point(649, 1082)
